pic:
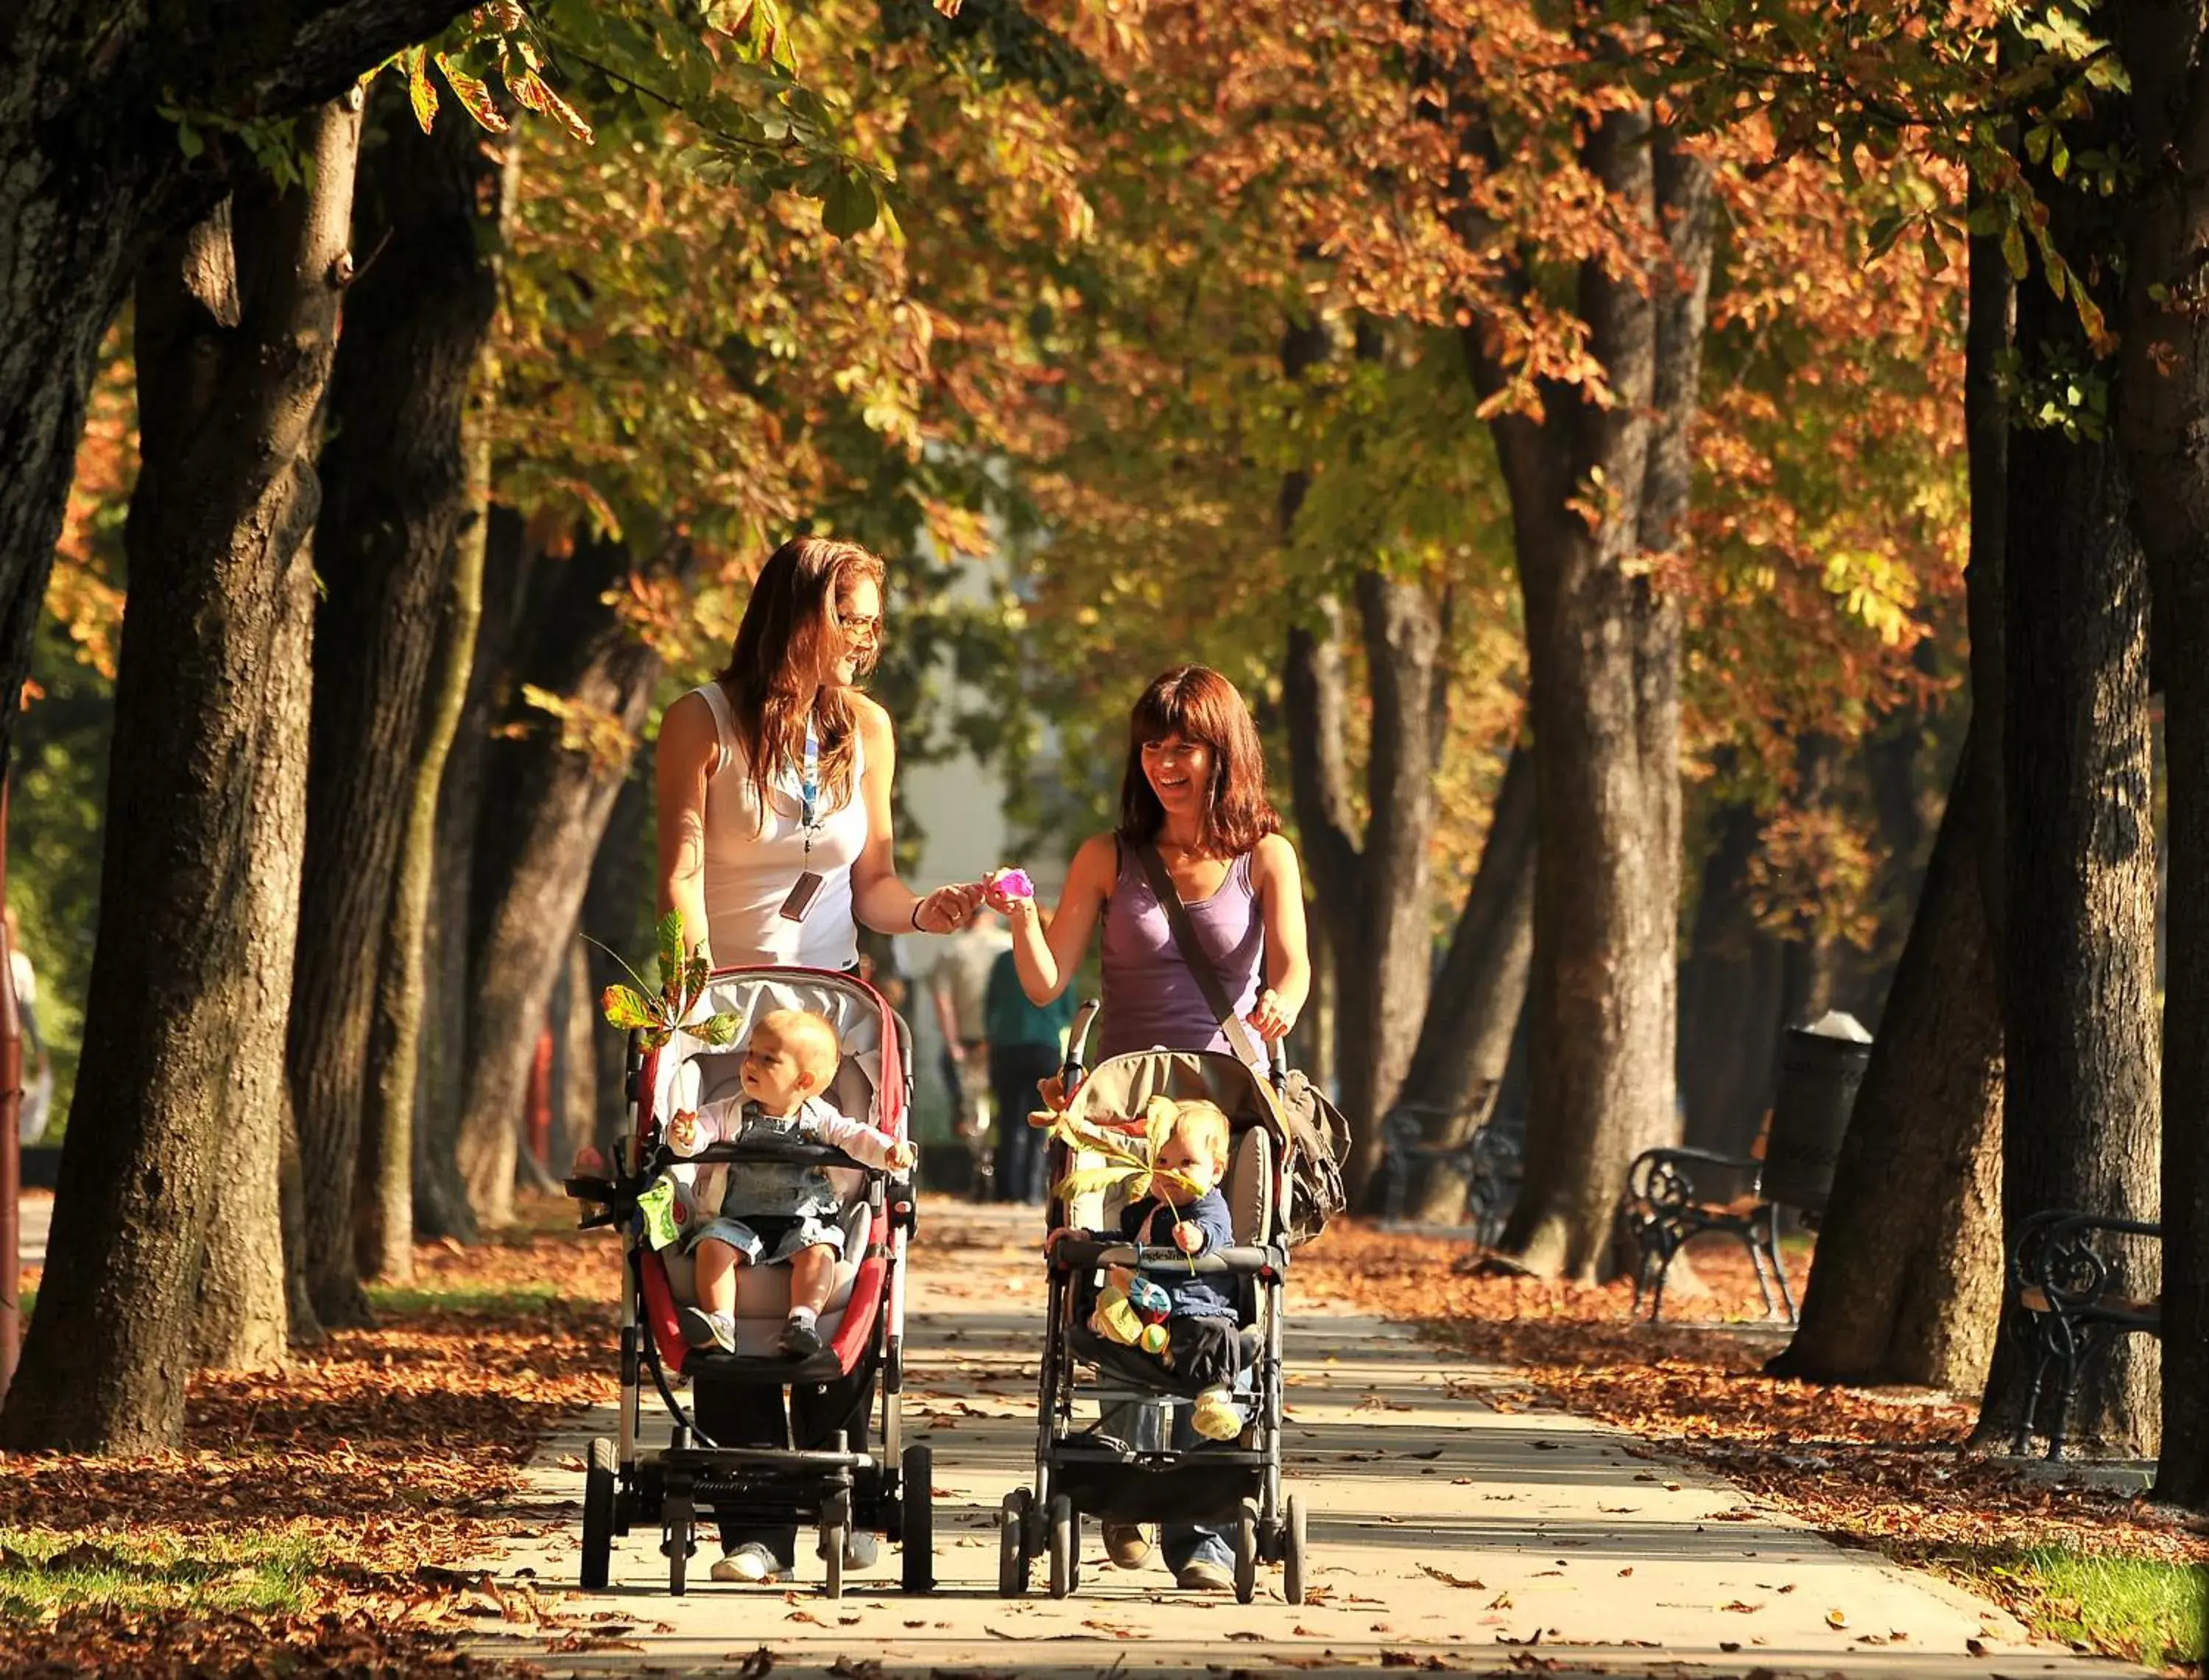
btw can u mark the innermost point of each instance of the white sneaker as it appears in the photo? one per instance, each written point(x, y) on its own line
point(751, 1563)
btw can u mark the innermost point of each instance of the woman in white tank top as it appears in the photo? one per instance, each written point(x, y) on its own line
point(773, 780)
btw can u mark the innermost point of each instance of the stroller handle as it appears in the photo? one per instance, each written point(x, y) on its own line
point(1077, 1042)
point(1081, 1254)
point(785, 1153)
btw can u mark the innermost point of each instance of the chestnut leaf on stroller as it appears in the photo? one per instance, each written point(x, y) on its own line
point(1130, 1159)
point(682, 982)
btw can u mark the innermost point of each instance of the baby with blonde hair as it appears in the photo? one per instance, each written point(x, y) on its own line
point(769, 1213)
point(1185, 1209)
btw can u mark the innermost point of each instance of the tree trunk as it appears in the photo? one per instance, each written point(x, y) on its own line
point(1603, 657)
point(2081, 1113)
point(1465, 1039)
point(1906, 1286)
point(389, 1119)
point(2163, 407)
point(617, 914)
point(441, 1201)
point(167, 1248)
point(398, 502)
point(91, 177)
point(550, 801)
point(1729, 990)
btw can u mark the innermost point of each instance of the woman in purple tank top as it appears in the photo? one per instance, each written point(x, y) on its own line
point(1194, 788)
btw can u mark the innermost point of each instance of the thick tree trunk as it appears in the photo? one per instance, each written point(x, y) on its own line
point(1729, 990)
point(1603, 656)
point(2080, 1112)
point(1907, 1286)
point(441, 1201)
point(91, 177)
point(167, 1246)
point(397, 504)
point(548, 803)
point(1464, 1040)
point(2163, 408)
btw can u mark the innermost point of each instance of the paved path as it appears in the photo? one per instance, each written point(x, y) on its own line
point(34, 1214)
point(1452, 1528)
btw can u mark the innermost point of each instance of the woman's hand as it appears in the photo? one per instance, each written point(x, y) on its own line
point(1057, 1236)
point(947, 908)
point(1268, 1020)
point(1008, 903)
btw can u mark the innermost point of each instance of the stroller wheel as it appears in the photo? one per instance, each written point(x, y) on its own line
point(598, 1491)
point(835, 1524)
point(1011, 1550)
point(1065, 1541)
point(1246, 1553)
point(1294, 1563)
point(917, 1519)
point(678, 1519)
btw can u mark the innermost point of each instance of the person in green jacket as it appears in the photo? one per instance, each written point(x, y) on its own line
point(1026, 1043)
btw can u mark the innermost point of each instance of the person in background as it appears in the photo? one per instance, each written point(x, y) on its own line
point(1027, 1042)
point(38, 1070)
point(956, 985)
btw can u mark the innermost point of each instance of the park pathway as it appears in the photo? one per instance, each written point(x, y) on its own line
point(1452, 1528)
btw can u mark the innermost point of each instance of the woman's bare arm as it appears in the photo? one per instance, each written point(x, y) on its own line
point(1047, 951)
point(1278, 883)
point(879, 899)
point(689, 751)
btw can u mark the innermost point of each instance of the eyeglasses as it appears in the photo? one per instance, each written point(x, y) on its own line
point(862, 632)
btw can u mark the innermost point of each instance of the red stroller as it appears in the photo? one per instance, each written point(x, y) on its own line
point(876, 1483)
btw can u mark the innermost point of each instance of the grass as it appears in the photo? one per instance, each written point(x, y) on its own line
point(2145, 1609)
point(41, 1570)
point(500, 1301)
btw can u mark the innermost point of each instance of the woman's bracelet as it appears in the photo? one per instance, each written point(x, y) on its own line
point(917, 904)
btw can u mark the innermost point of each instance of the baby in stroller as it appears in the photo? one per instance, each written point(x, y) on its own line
point(1188, 1323)
point(770, 1213)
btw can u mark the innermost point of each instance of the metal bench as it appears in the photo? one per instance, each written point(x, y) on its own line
point(2072, 1300)
point(1488, 1162)
point(1675, 1195)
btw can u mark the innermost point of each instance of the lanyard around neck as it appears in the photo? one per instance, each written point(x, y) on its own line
point(809, 786)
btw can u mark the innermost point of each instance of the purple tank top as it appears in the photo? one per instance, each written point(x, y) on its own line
point(1151, 998)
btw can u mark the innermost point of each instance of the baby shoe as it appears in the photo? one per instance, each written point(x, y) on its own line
point(709, 1329)
point(800, 1333)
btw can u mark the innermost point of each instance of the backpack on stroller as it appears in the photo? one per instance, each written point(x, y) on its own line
point(875, 1483)
point(1120, 1465)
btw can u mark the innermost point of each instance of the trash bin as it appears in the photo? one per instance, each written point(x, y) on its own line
point(1820, 1066)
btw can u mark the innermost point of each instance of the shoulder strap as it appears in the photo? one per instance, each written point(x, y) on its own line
point(1193, 956)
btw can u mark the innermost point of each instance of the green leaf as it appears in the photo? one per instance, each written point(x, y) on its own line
point(2013, 249)
point(189, 141)
point(627, 1009)
point(1086, 1179)
point(1935, 253)
point(850, 205)
point(670, 940)
point(474, 94)
point(719, 1030)
point(420, 90)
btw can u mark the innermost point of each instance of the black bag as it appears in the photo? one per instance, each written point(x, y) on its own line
point(1318, 1135)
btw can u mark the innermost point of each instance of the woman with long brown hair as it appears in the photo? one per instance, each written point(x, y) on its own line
point(773, 785)
point(1194, 792)
point(773, 779)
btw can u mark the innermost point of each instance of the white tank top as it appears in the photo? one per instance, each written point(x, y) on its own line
point(751, 866)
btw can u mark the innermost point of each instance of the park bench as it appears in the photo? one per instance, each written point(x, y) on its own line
point(1674, 1195)
point(1488, 1161)
point(2072, 1300)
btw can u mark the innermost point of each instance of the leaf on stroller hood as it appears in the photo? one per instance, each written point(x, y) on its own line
point(669, 936)
point(626, 1009)
point(1088, 1180)
point(719, 1031)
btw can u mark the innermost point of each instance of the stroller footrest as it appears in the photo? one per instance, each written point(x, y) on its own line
point(776, 1369)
